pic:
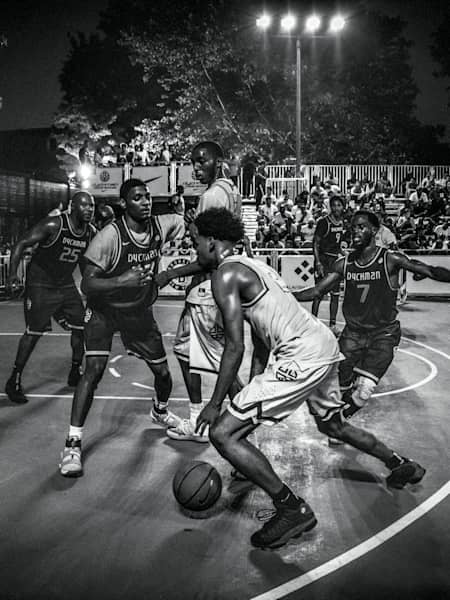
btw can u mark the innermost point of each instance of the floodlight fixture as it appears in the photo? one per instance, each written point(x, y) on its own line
point(337, 24)
point(264, 21)
point(313, 24)
point(288, 22)
point(85, 171)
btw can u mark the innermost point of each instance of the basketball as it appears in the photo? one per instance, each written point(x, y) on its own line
point(197, 485)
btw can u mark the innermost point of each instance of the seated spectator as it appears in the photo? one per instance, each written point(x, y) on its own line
point(410, 187)
point(275, 241)
point(176, 202)
point(268, 207)
point(442, 232)
point(284, 200)
point(430, 178)
point(418, 195)
point(307, 233)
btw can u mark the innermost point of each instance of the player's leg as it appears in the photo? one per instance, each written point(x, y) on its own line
point(39, 304)
point(142, 338)
point(327, 406)
point(334, 305)
point(99, 330)
point(73, 312)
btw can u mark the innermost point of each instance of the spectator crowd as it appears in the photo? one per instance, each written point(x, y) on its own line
point(418, 221)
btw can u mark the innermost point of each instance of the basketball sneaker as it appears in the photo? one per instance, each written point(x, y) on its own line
point(185, 432)
point(166, 418)
point(70, 465)
point(74, 375)
point(14, 391)
point(407, 472)
point(285, 524)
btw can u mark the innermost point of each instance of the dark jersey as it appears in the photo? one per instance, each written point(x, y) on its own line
point(116, 249)
point(331, 235)
point(369, 299)
point(53, 263)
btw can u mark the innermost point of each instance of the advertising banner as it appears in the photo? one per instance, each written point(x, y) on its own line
point(192, 187)
point(176, 287)
point(156, 178)
point(297, 271)
point(106, 181)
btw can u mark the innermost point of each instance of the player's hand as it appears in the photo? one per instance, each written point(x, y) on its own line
point(419, 277)
point(13, 285)
point(137, 276)
point(162, 279)
point(206, 418)
point(320, 270)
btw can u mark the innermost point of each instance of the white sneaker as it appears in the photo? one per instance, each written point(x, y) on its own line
point(185, 431)
point(166, 418)
point(70, 465)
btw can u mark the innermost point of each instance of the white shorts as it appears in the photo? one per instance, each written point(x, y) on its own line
point(200, 335)
point(283, 387)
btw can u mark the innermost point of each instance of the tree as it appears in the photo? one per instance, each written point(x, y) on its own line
point(186, 71)
point(440, 47)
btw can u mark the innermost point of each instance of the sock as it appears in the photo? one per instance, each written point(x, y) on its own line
point(160, 407)
point(395, 461)
point(286, 497)
point(16, 374)
point(75, 432)
point(194, 411)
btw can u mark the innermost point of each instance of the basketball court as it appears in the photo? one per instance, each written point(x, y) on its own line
point(118, 533)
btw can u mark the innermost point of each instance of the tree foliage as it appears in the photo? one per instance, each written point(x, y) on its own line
point(179, 72)
point(440, 47)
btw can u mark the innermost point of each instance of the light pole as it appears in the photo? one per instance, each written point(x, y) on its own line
point(312, 25)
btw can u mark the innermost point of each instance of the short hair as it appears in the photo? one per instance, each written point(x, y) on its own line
point(337, 198)
point(371, 217)
point(220, 224)
point(80, 195)
point(128, 184)
point(213, 147)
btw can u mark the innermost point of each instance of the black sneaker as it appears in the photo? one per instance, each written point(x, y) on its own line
point(74, 375)
point(408, 472)
point(14, 391)
point(286, 523)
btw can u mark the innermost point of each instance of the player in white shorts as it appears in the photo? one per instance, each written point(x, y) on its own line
point(199, 340)
point(295, 360)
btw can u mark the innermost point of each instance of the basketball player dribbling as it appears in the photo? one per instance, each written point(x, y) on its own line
point(298, 360)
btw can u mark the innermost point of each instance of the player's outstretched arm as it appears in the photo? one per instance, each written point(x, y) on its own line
point(164, 277)
point(225, 288)
point(420, 269)
point(324, 285)
point(41, 232)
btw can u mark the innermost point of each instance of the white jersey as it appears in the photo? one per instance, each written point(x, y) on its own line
point(222, 193)
point(287, 329)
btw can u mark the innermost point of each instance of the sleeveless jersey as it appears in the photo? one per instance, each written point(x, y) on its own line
point(369, 299)
point(286, 328)
point(129, 252)
point(212, 198)
point(54, 263)
point(331, 236)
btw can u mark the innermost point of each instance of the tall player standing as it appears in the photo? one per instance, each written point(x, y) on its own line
point(62, 241)
point(199, 341)
point(118, 283)
point(372, 331)
point(327, 248)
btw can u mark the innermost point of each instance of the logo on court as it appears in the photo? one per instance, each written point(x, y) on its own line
point(87, 315)
point(104, 176)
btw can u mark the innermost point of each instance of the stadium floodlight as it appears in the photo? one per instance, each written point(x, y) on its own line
point(337, 24)
point(264, 21)
point(85, 184)
point(85, 171)
point(288, 22)
point(313, 23)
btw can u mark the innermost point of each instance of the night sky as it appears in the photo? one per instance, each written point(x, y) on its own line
point(38, 43)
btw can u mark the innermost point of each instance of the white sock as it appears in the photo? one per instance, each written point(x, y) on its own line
point(75, 432)
point(194, 411)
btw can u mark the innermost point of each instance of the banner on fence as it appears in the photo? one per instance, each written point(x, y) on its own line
point(192, 187)
point(106, 182)
point(297, 271)
point(157, 178)
point(177, 287)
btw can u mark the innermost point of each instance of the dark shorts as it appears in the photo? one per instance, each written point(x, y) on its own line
point(367, 353)
point(138, 329)
point(41, 303)
point(327, 263)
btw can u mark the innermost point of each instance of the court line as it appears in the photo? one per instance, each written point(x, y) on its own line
point(63, 396)
point(365, 547)
point(431, 375)
point(360, 550)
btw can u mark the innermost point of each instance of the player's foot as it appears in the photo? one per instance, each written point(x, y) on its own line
point(335, 330)
point(185, 432)
point(14, 391)
point(70, 465)
point(166, 418)
point(335, 442)
point(74, 375)
point(286, 523)
point(408, 472)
